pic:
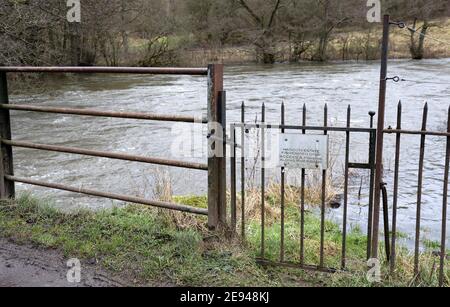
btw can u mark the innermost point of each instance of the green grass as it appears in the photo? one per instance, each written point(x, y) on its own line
point(355, 274)
point(146, 245)
point(137, 241)
point(192, 200)
point(356, 241)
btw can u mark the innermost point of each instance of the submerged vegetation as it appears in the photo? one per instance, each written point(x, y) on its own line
point(155, 247)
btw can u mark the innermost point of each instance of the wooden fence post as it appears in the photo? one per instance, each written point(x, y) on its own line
point(216, 147)
point(7, 189)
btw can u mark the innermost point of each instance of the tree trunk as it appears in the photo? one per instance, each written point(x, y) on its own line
point(268, 58)
point(265, 49)
point(417, 47)
point(124, 33)
point(321, 54)
point(75, 44)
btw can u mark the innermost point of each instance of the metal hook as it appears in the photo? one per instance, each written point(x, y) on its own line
point(396, 79)
point(399, 24)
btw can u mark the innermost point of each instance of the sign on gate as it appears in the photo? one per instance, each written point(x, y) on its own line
point(299, 151)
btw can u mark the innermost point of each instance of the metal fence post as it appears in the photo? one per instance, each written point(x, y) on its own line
point(7, 189)
point(372, 152)
point(233, 176)
point(380, 137)
point(216, 148)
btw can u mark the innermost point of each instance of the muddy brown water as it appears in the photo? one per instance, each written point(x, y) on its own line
point(338, 85)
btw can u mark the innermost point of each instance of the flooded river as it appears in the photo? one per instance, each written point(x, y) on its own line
point(338, 85)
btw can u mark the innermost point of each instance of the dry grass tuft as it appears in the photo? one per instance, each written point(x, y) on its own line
point(162, 190)
point(313, 198)
point(253, 207)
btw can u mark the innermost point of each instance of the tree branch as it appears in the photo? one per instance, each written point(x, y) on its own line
point(274, 12)
point(337, 24)
point(252, 14)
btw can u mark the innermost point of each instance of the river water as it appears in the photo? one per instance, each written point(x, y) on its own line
point(337, 85)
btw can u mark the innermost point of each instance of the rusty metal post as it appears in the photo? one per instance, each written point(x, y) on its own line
point(420, 192)
point(263, 181)
point(302, 201)
point(216, 153)
point(7, 188)
point(346, 184)
point(324, 199)
point(396, 187)
point(283, 191)
point(380, 137)
point(233, 180)
point(387, 243)
point(443, 256)
point(372, 148)
point(223, 157)
point(243, 171)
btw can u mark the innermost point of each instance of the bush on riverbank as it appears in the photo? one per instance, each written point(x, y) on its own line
point(347, 44)
point(146, 246)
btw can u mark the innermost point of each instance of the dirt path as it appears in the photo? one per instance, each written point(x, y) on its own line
point(26, 266)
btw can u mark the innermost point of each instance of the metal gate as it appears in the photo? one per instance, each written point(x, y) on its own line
point(215, 167)
point(243, 128)
point(238, 132)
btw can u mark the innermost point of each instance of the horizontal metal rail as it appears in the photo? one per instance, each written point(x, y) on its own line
point(416, 132)
point(360, 166)
point(111, 155)
point(130, 199)
point(296, 266)
point(111, 70)
point(98, 113)
point(307, 128)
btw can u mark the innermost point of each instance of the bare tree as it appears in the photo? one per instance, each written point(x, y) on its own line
point(328, 15)
point(263, 37)
point(421, 12)
point(417, 42)
point(142, 32)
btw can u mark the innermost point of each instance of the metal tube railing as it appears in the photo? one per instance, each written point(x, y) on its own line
point(306, 128)
point(104, 154)
point(111, 70)
point(416, 132)
point(216, 114)
point(130, 199)
point(98, 113)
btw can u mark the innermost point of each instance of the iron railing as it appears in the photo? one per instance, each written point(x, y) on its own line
point(379, 178)
point(390, 231)
point(304, 129)
point(423, 134)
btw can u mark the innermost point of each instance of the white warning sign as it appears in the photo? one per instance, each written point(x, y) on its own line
point(299, 151)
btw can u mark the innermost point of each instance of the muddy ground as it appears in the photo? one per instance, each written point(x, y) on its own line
point(28, 266)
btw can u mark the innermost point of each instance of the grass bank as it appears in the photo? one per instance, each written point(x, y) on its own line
point(141, 243)
point(155, 247)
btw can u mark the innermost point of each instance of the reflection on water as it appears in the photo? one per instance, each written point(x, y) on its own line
point(338, 85)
